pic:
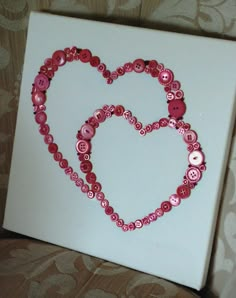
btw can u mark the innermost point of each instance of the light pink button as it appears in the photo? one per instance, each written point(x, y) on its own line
point(175, 85)
point(138, 224)
point(38, 98)
point(190, 137)
point(196, 158)
point(99, 115)
point(83, 146)
point(166, 77)
point(87, 131)
point(170, 96)
point(41, 82)
point(59, 58)
point(100, 196)
point(90, 194)
point(193, 174)
point(104, 203)
point(85, 55)
point(172, 123)
point(138, 65)
point(177, 108)
point(174, 200)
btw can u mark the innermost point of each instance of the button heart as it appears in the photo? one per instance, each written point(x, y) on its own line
point(176, 108)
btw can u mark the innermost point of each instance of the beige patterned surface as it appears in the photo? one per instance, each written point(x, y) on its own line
point(205, 17)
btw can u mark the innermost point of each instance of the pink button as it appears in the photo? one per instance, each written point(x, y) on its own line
point(57, 156)
point(193, 174)
point(90, 194)
point(59, 58)
point(91, 178)
point(174, 200)
point(101, 67)
point(138, 65)
point(114, 217)
point(190, 137)
point(179, 94)
point(83, 146)
point(148, 128)
point(114, 75)
point(177, 108)
point(41, 82)
point(86, 166)
point(183, 191)
point(79, 182)
point(44, 129)
point(94, 61)
point(152, 64)
point(138, 126)
point(166, 206)
point(142, 132)
point(131, 226)
point(96, 187)
point(163, 122)
point(104, 203)
point(128, 67)
point(68, 171)
point(38, 98)
point(132, 120)
point(120, 223)
point(154, 73)
point(152, 216)
point(106, 74)
point(196, 158)
point(63, 163)
point(85, 55)
point(170, 96)
point(52, 148)
point(100, 196)
point(87, 131)
point(125, 227)
point(92, 121)
point(74, 176)
point(175, 85)
point(41, 118)
point(109, 210)
point(155, 125)
point(138, 223)
point(120, 71)
point(85, 188)
point(166, 77)
point(99, 115)
point(48, 139)
point(146, 220)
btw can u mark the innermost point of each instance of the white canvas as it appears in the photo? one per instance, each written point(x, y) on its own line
point(137, 173)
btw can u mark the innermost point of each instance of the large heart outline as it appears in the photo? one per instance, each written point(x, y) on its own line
point(176, 108)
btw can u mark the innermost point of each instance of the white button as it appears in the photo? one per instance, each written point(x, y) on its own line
point(196, 158)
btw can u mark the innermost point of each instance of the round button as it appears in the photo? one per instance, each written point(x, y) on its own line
point(190, 137)
point(176, 108)
point(48, 139)
point(101, 67)
point(52, 148)
point(166, 77)
point(138, 126)
point(119, 110)
point(170, 96)
point(104, 203)
point(87, 131)
point(146, 220)
point(57, 156)
point(174, 200)
point(100, 196)
point(128, 67)
point(125, 227)
point(120, 223)
point(152, 64)
point(109, 210)
point(85, 55)
point(131, 226)
point(196, 158)
point(138, 224)
point(138, 65)
point(91, 178)
point(41, 117)
point(172, 123)
point(99, 115)
point(83, 146)
point(163, 122)
point(179, 94)
point(175, 85)
point(38, 98)
point(183, 191)
point(159, 212)
point(86, 166)
point(44, 129)
point(154, 73)
point(79, 182)
point(94, 61)
point(63, 163)
point(41, 82)
point(166, 206)
point(114, 75)
point(193, 174)
point(96, 187)
point(152, 216)
point(114, 217)
point(85, 188)
point(120, 71)
point(90, 194)
point(59, 58)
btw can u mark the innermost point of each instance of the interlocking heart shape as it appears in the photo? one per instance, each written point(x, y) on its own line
point(176, 109)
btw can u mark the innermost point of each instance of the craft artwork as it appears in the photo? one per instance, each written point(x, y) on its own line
point(176, 109)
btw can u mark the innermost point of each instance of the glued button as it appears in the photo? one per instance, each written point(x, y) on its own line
point(176, 108)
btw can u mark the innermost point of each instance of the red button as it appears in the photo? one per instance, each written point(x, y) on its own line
point(91, 178)
point(59, 58)
point(86, 166)
point(85, 55)
point(190, 137)
point(166, 77)
point(94, 61)
point(120, 223)
point(87, 131)
point(146, 220)
point(52, 148)
point(176, 108)
point(83, 146)
point(41, 118)
point(120, 71)
point(183, 191)
point(119, 110)
point(38, 98)
point(163, 122)
point(41, 82)
point(48, 139)
point(138, 126)
point(138, 65)
point(125, 227)
point(152, 216)
point(85, 188)
point(152, 64)
point(166, 206)
point(96, 187)
point(128, 67)
point(131, 226)
point(109, 210)
point(193, 174)
point(99, 115)
point(114, 217)
point(57, 156)
point(63, 163)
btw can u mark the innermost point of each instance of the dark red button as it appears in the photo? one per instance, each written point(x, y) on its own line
point(166, 206)
point(183, 191)
point(57, 156)
point(85, 55)
point(96, 187)
point(91, 178)
point(94, 61)
point(109, 210)
point(119, 110)
point(52, 148)
point(176, 108)
point(86, 166)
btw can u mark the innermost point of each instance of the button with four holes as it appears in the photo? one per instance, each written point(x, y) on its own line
point(190, 137)
point(183, 191)
point(138, 65)
point(193, 174)
point(83, 146)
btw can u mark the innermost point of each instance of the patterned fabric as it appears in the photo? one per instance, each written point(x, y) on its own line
point(34, 270)
point(37, 268)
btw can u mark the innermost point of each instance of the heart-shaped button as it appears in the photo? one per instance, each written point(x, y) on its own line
point(176, 108)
